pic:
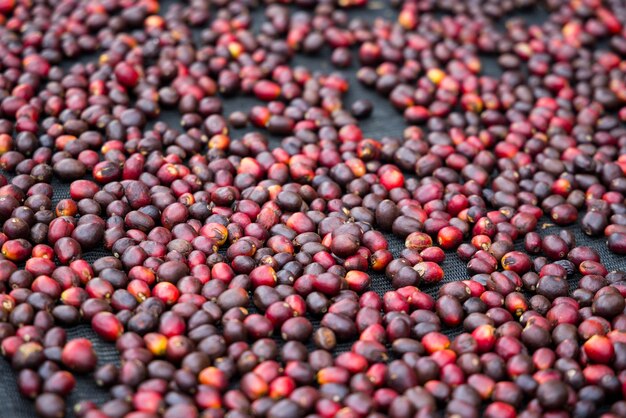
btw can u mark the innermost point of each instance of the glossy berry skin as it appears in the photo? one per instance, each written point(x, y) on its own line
point(107, 326)
point(599, 349)
point(78, 355)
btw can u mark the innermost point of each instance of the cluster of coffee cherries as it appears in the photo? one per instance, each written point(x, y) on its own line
point(243, 247)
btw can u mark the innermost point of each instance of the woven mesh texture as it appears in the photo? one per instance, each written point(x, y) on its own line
point(385, 121)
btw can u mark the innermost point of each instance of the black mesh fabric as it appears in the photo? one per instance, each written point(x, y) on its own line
point(385, 121)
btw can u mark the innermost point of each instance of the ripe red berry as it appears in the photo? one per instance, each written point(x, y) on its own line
point(78, 355)
point(126, 74)
point(107, 326)
point(599, 349)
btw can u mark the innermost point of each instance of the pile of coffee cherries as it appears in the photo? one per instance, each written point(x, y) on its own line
point(239, 275)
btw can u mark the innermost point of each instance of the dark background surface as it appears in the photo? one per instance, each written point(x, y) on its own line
point(384, 121)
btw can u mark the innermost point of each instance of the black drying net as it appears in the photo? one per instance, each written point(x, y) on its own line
point(385, 121)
